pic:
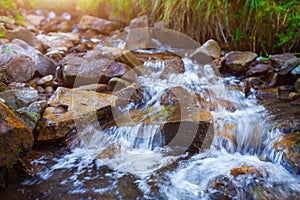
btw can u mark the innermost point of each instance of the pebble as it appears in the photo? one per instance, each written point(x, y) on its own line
point(45, 80)
point(49, 90)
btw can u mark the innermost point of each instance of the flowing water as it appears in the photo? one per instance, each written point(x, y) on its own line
point(133, 163)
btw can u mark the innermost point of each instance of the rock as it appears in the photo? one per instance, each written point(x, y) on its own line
point(178, 96)
point(8, 22)
point(170, 63)
point(259, 69)
point(116, 84)
point(15, 137)
point(268, 92)
point(44, 80)
point(25, 35)
point(289, 145)
point(238, 62)
point(79, 71)
point(45, 66)
point(32, 114)
point(18, 98)
point(132, 93)
point(119, 55)
point(139, 22)
point(288, 126)
point(296, 71)
point(272, 80)
point(58, 25)
point(222, 187)
point(93, 87)
point(188, 127)
point(49, 90)
point(255, 82)
point(245, 170)
point(242, 182)
point(101, 25)
point(15, 62)
point(211, 48)
point(297, 85)
point(35, 20)
point(278, 60)
point(289, 66)
point(71, 109)
point(286, 88)
point(219, 62)
point(59, 41)
point(2, 178)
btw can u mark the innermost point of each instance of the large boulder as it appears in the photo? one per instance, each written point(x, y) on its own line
point(79, 71)
point(15, 137)
point(211, 48)
point(70, 109)
point(101, 25)
point(187, 127)
point(238, 62)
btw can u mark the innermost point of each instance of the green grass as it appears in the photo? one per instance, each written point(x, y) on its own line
point(263, 26)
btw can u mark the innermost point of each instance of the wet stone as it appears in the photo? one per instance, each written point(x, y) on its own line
point(71, 109)
point(268, 92)
point(289, 66)
point(258, 70)
point(101, 25)
point(278, 60)
point(15, 137)
point(238, 62)
point(289, 144)
point(18, 98)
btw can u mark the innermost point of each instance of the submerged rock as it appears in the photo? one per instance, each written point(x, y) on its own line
point(71, 109)
point(178, 96)
point(289, 144)
point(238, 62)
point(15, 137)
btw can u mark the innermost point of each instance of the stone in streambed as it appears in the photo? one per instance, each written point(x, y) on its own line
point(289, 144)
point(258, 69)
point(187, 127)
point(15, 137)
point(78, 71)
point(278, 60)
point(238, 62)
point(289, 66)
point(101, 25)
point(71, 109)
point(18, 98)
point(25, 35)
point(211, 48)
point(32, 114)
point(297, 85)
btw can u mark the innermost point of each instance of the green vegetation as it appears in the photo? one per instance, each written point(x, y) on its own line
point(263, 26)
point(9, 8)
point(266, 26)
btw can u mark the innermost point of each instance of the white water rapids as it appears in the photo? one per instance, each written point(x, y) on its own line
point(143, 169)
